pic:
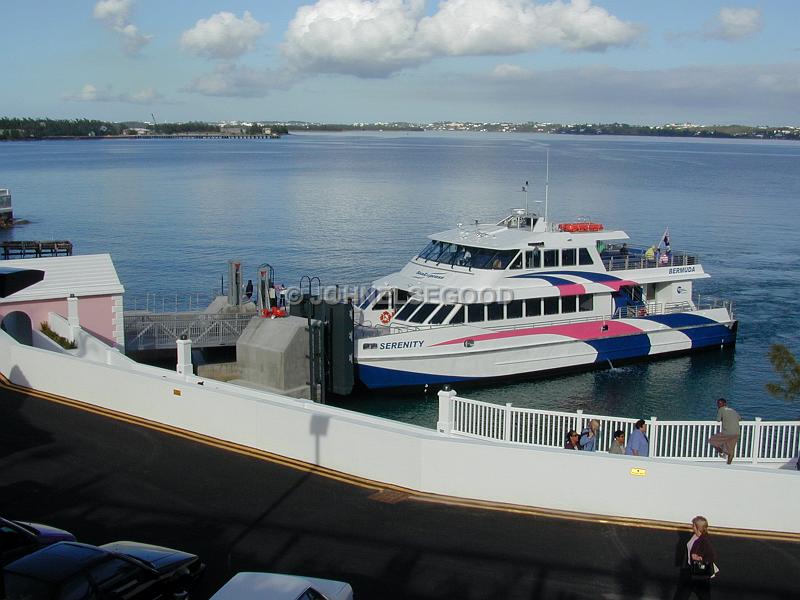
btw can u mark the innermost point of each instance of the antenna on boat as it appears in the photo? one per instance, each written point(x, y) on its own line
point(525, 190)
point(547, 184)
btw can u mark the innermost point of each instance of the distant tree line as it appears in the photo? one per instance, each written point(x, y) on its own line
point(190, 127)
point(30, 128)
point(20, 129)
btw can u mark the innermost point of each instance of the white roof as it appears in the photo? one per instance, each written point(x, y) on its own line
point(500, 237)
point(84, 275)
point(276, 586)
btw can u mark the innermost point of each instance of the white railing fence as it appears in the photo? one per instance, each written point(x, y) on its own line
point(759, 441)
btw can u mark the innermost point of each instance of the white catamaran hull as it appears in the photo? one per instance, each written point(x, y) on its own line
point(464, 353)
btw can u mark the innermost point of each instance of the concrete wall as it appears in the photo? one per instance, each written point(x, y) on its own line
point(415, 457)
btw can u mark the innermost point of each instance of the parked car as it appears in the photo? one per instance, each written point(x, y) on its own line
point(120, 570)
point(18, 538)
point(274, 586)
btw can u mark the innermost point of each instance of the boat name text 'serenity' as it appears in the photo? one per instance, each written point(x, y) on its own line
point(399, 345)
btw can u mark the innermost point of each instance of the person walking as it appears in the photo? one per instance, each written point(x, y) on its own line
point(700, 566)
point(588, 439)
point(638, 444)
point(618, 443)
point(725, 441)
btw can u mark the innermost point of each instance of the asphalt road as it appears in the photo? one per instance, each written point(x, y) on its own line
point(105, 480)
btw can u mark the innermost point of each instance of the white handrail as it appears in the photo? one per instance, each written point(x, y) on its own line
point(759, 441)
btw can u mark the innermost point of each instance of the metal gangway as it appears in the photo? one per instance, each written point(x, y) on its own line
point(159, 331)
point(761, 442)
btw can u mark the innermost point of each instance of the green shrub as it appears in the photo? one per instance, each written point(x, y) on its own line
point(60, 340)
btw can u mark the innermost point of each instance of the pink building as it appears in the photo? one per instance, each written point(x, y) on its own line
point(92, 279)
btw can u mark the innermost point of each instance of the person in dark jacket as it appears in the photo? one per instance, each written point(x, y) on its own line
point(572, 440)
point(698, 549)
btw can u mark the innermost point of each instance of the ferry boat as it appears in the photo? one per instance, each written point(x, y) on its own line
point(523, 297)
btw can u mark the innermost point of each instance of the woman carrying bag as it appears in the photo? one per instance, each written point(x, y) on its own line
point(700, 566)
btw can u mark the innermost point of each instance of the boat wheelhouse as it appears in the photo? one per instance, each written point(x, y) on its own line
point(524, 297)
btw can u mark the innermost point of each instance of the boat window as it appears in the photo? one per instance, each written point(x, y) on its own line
point(550, 258)
point(423, 312)
point(432, 250)
point(382, 303)
point(458, 316)
point(448, 254)
point(482, 258)
point(586, 302)
point(371, 293)
point(440, 315)
point(551, 305)
point(406, 311)
point(569, 304)
point(495, 311)
point(514, 309)
point(400, 297)
point(533, 307)
point(475, 313)
point(533, 259)
point(469, 256)
point(568, 256)
point(584, 257)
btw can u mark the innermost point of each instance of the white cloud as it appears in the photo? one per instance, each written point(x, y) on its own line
point(90, 93)
point(115, 12)
point(368, 39)
point(223, 35)
point(737, 93)
point(469, 27)
point(232, 80)
point(729, 25)
point(733, 24)
point(511, 73)
point(116, 15)
point(380, 37)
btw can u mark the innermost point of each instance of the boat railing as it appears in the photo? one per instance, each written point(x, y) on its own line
point(636, 258)
point(168, 302)
point(759, 441)
point(643, 310)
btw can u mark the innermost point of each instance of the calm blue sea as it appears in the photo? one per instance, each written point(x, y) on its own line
point(351, 207)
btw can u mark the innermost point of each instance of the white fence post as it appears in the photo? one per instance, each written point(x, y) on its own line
point(72, 317)
point(507, 423)
point(755, 448)
point(445, 423)
point(184, 366)
point(653, 436)
point(579, 420)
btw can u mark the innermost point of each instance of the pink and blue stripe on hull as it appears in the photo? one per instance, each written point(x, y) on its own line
point(612, 341)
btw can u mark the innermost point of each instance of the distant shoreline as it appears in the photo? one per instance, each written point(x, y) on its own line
point(201, 136)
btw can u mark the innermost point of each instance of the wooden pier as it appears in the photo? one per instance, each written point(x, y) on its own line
point(35, 249)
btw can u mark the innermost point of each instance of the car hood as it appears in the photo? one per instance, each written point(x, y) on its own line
point(46, 534)
point(159, 558)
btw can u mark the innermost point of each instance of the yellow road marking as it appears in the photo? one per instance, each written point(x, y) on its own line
point(379, 486)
